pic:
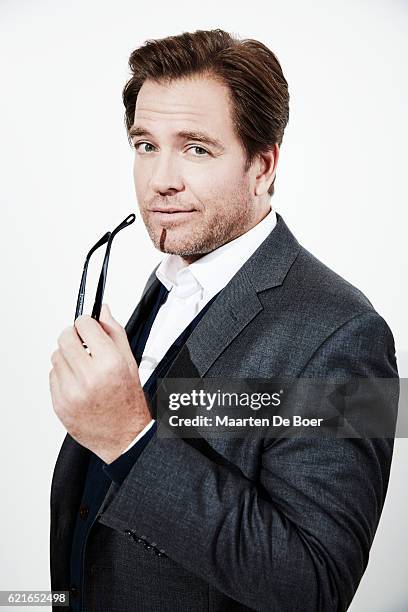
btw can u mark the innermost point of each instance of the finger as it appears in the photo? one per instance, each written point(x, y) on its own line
point(55, 390)
point(113, 328)
point(92, 333)
point(118, 335)
point(71, 348)
point(53, 384)
point(62, 368)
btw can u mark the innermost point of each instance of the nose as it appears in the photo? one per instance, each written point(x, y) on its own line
point(166, 178)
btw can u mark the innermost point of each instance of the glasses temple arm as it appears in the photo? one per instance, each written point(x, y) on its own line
point(82, 286)
point(96, 311)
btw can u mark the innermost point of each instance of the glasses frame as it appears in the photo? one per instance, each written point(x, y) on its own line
point(106, 239)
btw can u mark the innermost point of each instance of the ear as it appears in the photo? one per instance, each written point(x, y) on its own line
point(267, 163)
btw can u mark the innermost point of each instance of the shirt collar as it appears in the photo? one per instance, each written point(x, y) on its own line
point(214, 270)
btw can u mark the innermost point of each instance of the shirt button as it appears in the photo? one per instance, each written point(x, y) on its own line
point(83, 512)
point(74, 592)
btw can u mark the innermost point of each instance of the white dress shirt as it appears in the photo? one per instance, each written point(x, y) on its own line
point(190, 288)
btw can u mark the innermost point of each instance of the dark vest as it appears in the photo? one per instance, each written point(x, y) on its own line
point(99, 475)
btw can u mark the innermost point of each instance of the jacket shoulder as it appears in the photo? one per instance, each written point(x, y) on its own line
point(323, 292)
point(316, 312)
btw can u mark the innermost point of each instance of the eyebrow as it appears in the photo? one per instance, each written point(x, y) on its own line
point(183, 134)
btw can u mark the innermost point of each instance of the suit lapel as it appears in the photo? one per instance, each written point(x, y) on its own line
point(231, 311)
point(237, 304)
point(133, 324)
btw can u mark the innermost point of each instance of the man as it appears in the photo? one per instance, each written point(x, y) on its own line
point(140, 522)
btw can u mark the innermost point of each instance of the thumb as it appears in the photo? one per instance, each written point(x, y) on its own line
point(118, 334)
point(113, 328)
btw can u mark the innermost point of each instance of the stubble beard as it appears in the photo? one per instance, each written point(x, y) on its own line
point(224, 224)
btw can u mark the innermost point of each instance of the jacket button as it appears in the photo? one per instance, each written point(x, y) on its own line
point(83, 511)
point(74, 592)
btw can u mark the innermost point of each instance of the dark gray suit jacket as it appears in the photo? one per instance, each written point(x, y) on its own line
point(246, 524)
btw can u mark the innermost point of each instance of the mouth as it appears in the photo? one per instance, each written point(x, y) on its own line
point(171, 209)
point(172, 214)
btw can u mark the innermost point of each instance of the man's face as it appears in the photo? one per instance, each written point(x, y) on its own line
point(192, 190)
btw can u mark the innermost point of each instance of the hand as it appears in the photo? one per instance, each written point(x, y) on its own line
point(98, 397)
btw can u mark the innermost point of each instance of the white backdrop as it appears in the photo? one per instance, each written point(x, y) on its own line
point(66, 178)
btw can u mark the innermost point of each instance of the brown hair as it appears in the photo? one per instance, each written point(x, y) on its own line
point(258, 89)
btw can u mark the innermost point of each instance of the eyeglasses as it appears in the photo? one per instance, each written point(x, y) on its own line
point(106, 239)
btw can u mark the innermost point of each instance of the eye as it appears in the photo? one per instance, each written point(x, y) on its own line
point(199, 149)
point(138, 144)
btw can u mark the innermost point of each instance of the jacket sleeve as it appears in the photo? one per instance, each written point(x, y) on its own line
point(298, 538)
point(120, 468)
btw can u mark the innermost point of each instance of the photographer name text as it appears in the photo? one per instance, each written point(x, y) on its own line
point(227, 421)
